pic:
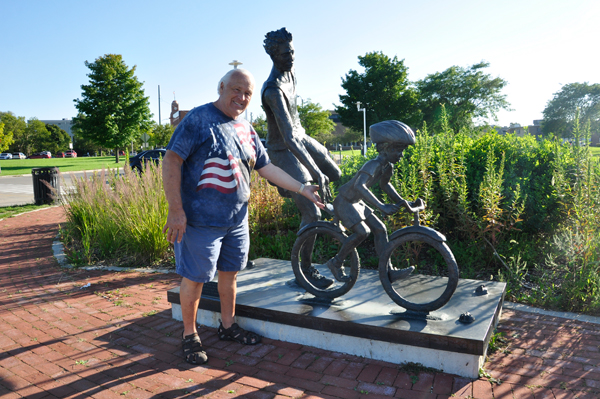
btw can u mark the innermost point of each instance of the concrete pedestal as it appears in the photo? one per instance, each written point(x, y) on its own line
point(364, 322)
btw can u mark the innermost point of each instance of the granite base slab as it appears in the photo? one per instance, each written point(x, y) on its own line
point(364, 322)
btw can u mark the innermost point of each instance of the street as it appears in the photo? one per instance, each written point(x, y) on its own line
point(18, 190)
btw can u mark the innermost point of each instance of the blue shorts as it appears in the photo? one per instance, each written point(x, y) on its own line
point(204, 250)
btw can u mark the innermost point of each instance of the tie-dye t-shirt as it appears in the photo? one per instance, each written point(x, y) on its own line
point(214, 186)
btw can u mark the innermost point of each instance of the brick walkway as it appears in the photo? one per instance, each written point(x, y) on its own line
point(116, 339)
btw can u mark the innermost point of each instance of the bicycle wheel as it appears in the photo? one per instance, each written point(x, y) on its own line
point(316, 246)
point(431, 284)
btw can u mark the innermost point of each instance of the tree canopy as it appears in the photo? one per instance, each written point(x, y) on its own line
point(315, 121)
point(113, 109)
point(559, 114)
point(37, 136)
point(466, 93)
point(5, 139)
point(383, 88)
point(15, 127)
point(160, 135)
point(58, 139)
point(260, 126)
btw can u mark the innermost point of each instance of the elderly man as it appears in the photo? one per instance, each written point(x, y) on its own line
point(206, 175)
point(289, 146)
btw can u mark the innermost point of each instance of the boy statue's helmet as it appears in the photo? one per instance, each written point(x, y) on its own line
point(394, 132)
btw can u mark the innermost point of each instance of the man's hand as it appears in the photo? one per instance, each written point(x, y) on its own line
point(175, 227)
point(312, 193)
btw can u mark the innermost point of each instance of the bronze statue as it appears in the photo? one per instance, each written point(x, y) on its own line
point(289, 146)
point(412, 248)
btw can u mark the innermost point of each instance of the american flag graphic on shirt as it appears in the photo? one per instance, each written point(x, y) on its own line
point(221, 169)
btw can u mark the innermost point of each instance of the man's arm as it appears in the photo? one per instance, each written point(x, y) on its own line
point(176, 219)
point(275, 100)
point(280, 178)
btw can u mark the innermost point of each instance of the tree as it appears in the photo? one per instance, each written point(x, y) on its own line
point(14, 126)
point(5, 139)
point(58, 139)
point(260, 126)
point(113, 110)
point(316, 122)
point(466, 93)
point(559, 114)
point(161, 135)
point(383, 88)
point(37, 136)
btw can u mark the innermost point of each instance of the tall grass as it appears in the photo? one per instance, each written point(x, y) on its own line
point(517, 209)
point(117, 218)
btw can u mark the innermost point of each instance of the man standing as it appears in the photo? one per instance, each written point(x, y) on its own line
point(206, 176)
point(289, 146)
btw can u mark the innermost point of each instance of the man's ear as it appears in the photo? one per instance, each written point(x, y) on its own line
point(221, 88)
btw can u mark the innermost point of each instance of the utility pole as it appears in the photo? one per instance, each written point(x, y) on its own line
point(159, 120)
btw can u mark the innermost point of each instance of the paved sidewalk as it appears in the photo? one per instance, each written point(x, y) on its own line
point(116, 339)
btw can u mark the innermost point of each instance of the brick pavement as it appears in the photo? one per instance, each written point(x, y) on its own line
point(117, 339)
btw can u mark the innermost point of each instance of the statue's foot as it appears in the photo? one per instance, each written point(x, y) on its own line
point(317, 279)
point(335, 265)
point(396, 275)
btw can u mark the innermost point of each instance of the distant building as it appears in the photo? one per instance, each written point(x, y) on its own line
point(518, 130)
point(340, 129)
point(177, 115)
point(64, 124)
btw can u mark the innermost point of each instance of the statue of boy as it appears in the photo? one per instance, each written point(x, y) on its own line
point(391, 139)
point(290, 148)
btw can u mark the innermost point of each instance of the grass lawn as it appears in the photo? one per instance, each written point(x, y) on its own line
point(348, 153)
point(11, 167)
point(595, 151)
point(10, 211)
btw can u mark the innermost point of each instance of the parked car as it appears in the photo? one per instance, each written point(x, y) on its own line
point(59, 155)
point(18, 155)
point(6, 155)
point(38, 155)
point(71, 154)
point(138, 162)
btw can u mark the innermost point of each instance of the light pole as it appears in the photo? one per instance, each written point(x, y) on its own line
point(364, 110)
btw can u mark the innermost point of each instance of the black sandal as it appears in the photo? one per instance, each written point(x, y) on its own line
point(238, 334)
point(193, 352)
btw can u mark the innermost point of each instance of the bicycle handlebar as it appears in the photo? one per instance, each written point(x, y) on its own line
point(420, 205)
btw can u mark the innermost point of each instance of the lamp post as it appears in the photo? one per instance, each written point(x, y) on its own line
point(364, 110)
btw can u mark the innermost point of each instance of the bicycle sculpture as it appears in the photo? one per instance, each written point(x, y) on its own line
point(416, 267)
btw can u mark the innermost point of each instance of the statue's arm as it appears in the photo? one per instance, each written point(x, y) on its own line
point(367, 195)
point(275, 100)
point(389, 189)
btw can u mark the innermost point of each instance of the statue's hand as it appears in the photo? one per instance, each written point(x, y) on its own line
point(417, 205)
point(389, 209)
point(324, 185)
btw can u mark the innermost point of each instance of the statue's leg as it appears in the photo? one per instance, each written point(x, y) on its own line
point(320, 155)
point(335, 264)
point(379, 233)
point(309, 214)
point(381, 240)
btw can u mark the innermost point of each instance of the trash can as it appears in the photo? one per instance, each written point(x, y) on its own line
point(46, 185)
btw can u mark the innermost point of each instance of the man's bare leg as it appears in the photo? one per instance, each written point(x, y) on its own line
point(229, 330)
point(227, 293)
point(189, 296)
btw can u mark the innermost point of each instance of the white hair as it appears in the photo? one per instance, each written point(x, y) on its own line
point(225, 79)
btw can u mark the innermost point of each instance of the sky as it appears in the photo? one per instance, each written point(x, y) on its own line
point(185, 47)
